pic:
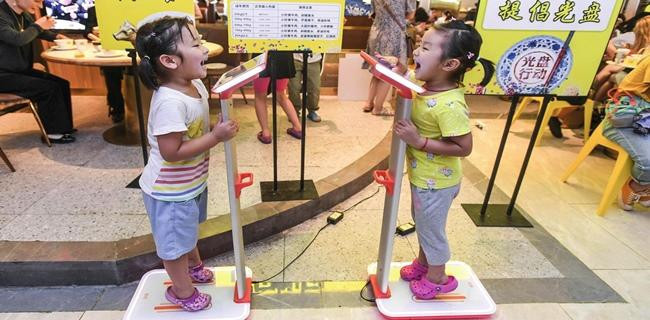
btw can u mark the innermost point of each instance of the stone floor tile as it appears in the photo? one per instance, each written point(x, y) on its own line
point(605, 311)
point(67, 227)
point(342, 251)
point(93, 191)
point(530, 311)
point(42, 316)
point(632, 285)
point(265, 258)
point(630, 227)
point(58, 184)
point(116, 297)
point(102, 315)
point(48, 299)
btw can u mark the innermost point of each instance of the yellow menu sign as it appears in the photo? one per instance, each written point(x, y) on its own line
point(524, 39)
point(115, 15)
point(261, 25)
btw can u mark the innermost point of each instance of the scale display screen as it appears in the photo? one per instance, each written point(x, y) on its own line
point(390, 76)
point(241, 74)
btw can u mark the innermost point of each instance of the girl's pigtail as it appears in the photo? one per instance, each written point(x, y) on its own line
point(488, 71)
point(147, 73)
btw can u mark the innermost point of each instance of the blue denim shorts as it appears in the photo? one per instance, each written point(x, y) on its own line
point(175, 224)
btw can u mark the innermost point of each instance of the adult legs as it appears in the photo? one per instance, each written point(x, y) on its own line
point(113, 80)
point(50, 93)
point(295, 86)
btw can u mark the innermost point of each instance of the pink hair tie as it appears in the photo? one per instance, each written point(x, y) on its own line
point(470, 55)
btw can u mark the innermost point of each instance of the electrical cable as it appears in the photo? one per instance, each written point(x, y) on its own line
point(314, 239)
point(294, 259)
point(361, 293)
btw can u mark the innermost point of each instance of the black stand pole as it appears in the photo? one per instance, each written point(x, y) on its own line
point(501, 215)
point(497, 161)
point(305, 65)
point(274, 103)
point(529, 152)
point(138, 102)
point(295, 189)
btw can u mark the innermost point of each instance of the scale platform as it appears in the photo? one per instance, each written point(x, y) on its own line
point(469, 301)
point(149, 303)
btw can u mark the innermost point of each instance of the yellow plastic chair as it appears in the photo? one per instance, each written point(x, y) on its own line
point(550, 110)
point(619, 175)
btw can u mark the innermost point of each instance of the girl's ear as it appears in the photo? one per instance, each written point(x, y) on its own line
point(451, 65)
point(168, 61)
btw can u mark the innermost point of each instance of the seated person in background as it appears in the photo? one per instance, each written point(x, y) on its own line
point(471, 15)
point(445, 18)
point(112, 77)
point(419, 26)
point(635, 86)
point(612, 74)
point(51, 94)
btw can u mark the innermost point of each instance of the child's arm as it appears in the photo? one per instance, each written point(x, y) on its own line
point(173, 148)
point(460, 146)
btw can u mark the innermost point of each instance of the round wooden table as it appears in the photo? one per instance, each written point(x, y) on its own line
point(126, 132)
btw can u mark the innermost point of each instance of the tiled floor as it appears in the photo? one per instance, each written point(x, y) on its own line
point(74, 187)
point(614, 247)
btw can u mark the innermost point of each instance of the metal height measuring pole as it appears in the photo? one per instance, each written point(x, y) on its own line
point(236, 182)
point(392, 180)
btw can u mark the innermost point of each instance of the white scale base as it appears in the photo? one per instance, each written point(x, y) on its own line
point(469, 300)
point(149, 303)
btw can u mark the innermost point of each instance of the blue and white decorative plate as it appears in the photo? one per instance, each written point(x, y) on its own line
point(526, 66)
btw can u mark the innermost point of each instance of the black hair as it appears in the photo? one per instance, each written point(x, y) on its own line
point(421, 15)
point(464, 43)
point(155, 39)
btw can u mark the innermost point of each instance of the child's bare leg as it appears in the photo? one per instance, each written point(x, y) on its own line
point(181, 282)
point(422, 258)
point(193, 257)
point(290, 110)
point(262, 113)
point(435, 274)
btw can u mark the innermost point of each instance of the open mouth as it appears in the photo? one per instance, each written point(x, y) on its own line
point(417, 66)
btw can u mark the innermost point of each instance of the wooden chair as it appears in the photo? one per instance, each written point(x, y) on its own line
point(11, 103)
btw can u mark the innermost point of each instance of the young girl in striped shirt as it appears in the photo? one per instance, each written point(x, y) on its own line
point(174, 181)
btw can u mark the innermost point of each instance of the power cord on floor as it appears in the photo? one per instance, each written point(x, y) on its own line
point(329, 222)
point(361, 293)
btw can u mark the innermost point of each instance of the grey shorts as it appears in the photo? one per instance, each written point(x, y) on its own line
point(175, 225)
point(429, 209)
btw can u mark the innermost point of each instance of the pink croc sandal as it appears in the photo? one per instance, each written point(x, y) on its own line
point(196, 302)
point(427, 290)
point(413, 271)
point(200, 274)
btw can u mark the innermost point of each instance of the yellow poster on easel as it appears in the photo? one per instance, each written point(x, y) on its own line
point(524, 39)
point(260, 25)
point(115, 15)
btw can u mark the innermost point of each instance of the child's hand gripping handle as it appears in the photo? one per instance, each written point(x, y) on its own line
point(383, 177)
point(242, 182)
